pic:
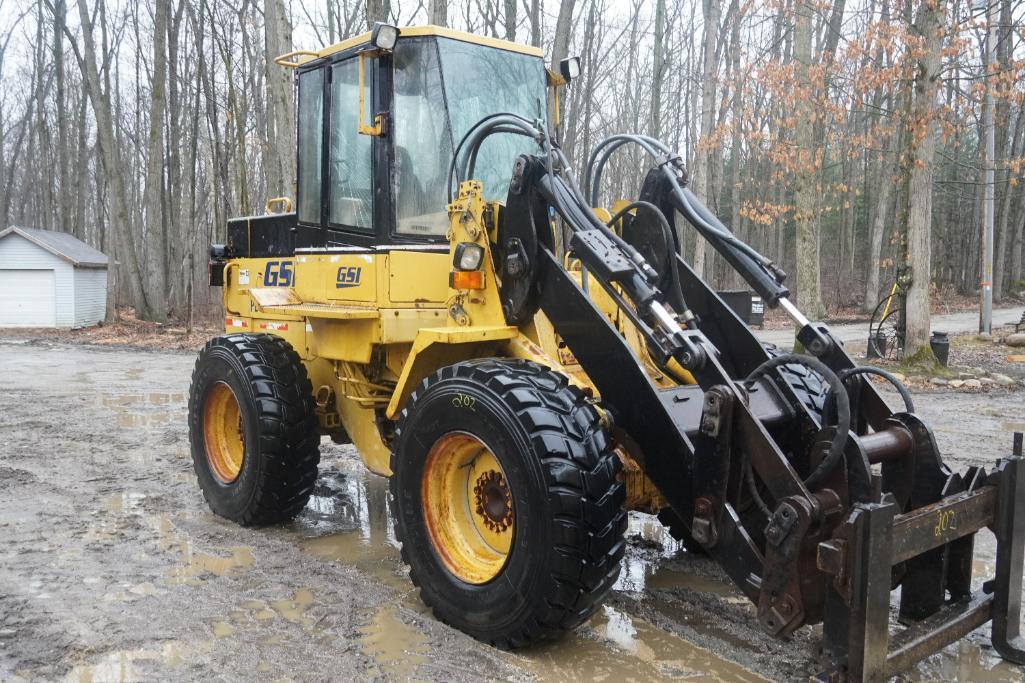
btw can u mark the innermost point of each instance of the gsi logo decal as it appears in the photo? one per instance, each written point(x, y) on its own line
point(348, 276)
point(278, 274)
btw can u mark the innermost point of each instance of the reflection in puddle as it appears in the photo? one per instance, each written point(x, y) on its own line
point(196, 564)
point(354, 511)
point(136, 410)
point(644, 564)
point(971, 659)
point(395, 647)
point(123, 666)
point(653, 654)
point(127, 502)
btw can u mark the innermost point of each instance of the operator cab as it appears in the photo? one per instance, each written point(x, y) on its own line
point(372, 167)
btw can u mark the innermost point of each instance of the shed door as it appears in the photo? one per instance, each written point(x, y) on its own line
point(27, 298)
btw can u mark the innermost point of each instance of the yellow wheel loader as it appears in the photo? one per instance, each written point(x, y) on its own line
point(522, 396)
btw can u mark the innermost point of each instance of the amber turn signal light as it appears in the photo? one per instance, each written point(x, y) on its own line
point(466, 279)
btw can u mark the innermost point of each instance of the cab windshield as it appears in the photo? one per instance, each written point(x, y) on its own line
point(442, 87)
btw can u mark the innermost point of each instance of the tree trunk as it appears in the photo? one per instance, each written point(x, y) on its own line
point(535, 23)
point(702, 155)
point(563, 31)
point(438, 10)
point(1003, 229)
point(378, 10)
point(658, 69)
point(280, 157)
point(877, 231)
point(510, 20)
point(806, 220)
point(928, 26)
point(154, 225)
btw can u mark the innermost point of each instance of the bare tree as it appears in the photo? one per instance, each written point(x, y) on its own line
point(924, 133)
point(809, 282)
point(154, 221)
point(438, 12)
point(709, 86)
point(280, 158)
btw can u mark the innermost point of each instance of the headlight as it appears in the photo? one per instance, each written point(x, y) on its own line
point(468, 256)
point(383, 36)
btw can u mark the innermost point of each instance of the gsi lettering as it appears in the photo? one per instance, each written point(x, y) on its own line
point(348, 276)
point(279, 274)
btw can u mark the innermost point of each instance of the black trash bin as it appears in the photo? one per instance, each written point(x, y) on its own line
point(740, 301)
point(940, 347)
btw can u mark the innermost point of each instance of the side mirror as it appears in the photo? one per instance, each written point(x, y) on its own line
point(569, 68)
point(382, 39)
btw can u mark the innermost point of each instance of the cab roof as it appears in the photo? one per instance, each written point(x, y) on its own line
point(429, 30)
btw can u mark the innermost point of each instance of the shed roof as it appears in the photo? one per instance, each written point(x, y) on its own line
point(61, 244)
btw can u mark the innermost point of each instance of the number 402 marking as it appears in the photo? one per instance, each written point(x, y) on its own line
point(464, 401)
point(945, 521)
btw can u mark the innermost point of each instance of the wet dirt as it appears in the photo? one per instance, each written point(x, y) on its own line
point(112, 568)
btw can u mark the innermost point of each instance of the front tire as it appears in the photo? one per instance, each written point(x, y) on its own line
point(253, 429)
point(506, 501)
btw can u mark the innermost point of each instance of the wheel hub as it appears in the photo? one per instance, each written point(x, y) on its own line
point(223, 434)
point(468, 507)
point(492, 501)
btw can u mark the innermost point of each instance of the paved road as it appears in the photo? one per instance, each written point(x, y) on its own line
point(857, 333)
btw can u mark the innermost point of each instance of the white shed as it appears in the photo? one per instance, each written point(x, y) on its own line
point(50, 279)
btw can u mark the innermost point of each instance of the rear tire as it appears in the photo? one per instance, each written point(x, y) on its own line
point(253, 429)
point(565, 504)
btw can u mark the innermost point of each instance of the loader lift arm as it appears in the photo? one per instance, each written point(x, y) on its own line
point(824, 547)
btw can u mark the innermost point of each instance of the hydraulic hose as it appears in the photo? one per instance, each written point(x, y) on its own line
point(690, 206)
point(843, 409)
point(909, 404)
point(516, 119)
point(667, 231)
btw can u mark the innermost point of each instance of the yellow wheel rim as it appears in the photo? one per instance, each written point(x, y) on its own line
point(222, 433)
point(468, 507)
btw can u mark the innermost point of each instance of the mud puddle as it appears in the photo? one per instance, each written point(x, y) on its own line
point(146, 410)
point(613, 646)
point(396, 648)
point(129, 666)
point(348, 521)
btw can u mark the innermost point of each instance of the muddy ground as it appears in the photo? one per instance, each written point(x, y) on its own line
point(112, 567)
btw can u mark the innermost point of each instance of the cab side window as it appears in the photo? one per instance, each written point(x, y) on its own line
point(350, 159)
point(311, 144)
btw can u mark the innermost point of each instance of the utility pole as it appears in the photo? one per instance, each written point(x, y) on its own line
point(986, 314)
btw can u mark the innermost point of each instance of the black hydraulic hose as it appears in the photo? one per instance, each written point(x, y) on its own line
point(471, 166)
point(842, 402)
point(641, 204)
point(467, 134)
point(637, 259)
point(690, 206)
point(595, 167)
point(484, 131)
point(667, 231)
point(909, 404)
